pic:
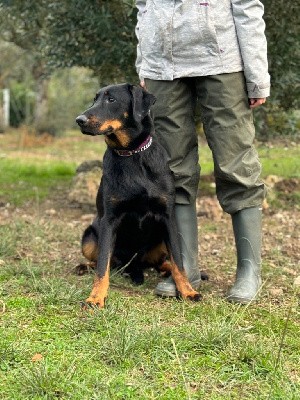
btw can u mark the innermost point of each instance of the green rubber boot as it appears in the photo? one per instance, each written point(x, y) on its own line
point(186, 218)
point(247, 231)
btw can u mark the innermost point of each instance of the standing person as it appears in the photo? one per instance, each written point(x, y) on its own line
point(214, 51)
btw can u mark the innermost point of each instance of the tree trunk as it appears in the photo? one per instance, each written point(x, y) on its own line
point(40, 121)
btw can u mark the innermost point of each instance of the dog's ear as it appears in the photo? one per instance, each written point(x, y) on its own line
point(141, 102)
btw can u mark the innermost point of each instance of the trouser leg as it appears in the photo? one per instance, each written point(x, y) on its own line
point(186, 219)
point(229, 130)
point(173, 115)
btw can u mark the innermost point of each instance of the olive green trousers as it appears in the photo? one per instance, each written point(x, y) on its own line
point(229, 130)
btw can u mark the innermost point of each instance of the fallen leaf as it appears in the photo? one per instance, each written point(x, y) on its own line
point(276, 292)
point(290, 271)
point(37, 357)
point(297, 281)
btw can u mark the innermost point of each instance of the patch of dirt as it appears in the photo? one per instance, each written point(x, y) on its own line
point(288, 185)
point(281, 244)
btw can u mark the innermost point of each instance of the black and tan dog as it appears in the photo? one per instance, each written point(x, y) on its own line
point(135, 201)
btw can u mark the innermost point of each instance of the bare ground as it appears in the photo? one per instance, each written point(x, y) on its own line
point(280, 253)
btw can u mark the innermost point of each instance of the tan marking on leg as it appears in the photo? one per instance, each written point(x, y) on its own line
point(183, 286)
point(90, 251)
point(100, 289)
point(156, 255)
point(166, 267)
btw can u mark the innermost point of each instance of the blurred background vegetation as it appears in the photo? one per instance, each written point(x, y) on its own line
point(55, 54)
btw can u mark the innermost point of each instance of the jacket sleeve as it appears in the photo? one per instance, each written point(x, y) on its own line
point(250, 28)
point(140, 5)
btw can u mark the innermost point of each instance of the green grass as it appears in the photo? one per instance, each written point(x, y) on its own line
point(25, 180)
point(276, 160)
point(139, 346)
point(30, 173)
point(282, 161)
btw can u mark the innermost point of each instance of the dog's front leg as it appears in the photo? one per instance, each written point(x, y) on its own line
point(105, 248)
point(181, 281)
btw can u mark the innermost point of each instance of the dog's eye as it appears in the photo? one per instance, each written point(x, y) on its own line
point(110, 99)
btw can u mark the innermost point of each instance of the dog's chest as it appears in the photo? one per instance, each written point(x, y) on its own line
point(140, 206)
point(136, 188)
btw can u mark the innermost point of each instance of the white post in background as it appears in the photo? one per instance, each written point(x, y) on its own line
point(6, 101)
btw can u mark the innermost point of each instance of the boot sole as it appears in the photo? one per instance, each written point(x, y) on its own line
point(240, 300)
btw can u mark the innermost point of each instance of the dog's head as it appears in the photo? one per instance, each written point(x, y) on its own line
point(118, 112)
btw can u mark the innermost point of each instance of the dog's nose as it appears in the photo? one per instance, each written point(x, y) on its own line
point(81, 120)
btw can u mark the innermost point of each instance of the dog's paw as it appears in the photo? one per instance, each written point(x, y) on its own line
point(188, 293)
point(92, 303)
point(82, 269)
point(194, 297)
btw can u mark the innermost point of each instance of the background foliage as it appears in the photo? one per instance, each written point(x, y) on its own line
point(283, 33)
point(87, 33)
point(279, 117)
point(99, 35)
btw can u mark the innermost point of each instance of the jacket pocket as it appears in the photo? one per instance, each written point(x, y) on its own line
point(151, 37)
point(207, 29)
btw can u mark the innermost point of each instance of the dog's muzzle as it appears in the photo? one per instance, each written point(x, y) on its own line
point(81, 120)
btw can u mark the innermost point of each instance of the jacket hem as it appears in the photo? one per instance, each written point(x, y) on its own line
point(162, 76)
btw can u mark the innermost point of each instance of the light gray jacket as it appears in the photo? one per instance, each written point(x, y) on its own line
point(185, 38)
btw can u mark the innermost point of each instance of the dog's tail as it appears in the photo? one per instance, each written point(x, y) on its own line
point(89, 241)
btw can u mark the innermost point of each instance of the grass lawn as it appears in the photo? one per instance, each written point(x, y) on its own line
point(139, 346)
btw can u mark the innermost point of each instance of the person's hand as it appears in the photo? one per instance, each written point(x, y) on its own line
point(253, 103)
